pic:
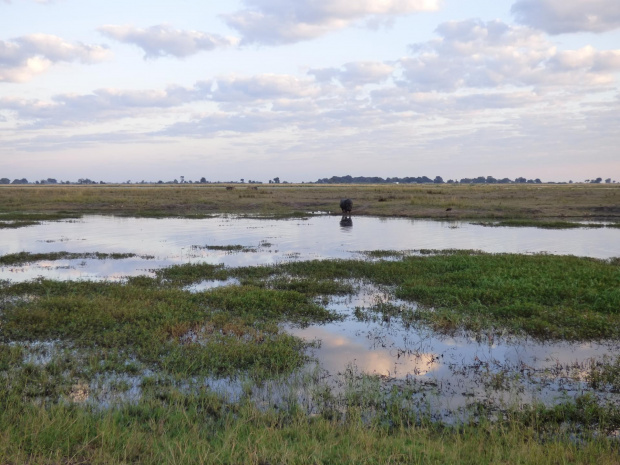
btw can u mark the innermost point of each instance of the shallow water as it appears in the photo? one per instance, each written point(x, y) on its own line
point(173, 241)
point(457, 369)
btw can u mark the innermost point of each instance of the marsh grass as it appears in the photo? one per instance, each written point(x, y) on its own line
point(546, 224)
point(14, 220)
point(544, 296)
point(22, 258)
point(605, 374)
point(226, 248)
point(151, 333)
point(204, 428)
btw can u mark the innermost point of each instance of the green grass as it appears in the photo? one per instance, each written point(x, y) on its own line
point(102, 338)
point(605, 374)
point(172, 427)
point(23, 258)
point(544, 296)
point(14, 220)
point(236, 328)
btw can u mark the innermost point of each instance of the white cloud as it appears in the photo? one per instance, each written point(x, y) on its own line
point(25, 57)
point(259, 88)
point(234, 95)
point(161, 40)
point(475, 54)
point(562, 16)
point(285, 21)
point(355, 73)
point(100, 105)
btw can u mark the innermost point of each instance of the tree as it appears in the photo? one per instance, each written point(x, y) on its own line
point(438, 180)
point(537, 181)
point(241, 180)
point(596, 181)
point(276, 180)
point(5, 181)
point(608, 181)
point(521, 180)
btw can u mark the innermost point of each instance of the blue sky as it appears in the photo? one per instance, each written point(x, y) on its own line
point(305, 89)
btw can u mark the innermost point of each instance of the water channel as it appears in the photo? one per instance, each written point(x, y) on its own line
point(457, 368)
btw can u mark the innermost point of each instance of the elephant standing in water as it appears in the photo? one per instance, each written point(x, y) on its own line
point(346, 205)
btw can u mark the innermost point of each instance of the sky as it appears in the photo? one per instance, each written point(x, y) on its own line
point(306, 89)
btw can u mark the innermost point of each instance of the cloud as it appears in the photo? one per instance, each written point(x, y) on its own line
point(476, 54)
point(562, 16)
point(234, 94)
point(283, 21)
point(355, 73)
point(25, 57)
point(161, 40)
point(100, 105)
point(259, 88)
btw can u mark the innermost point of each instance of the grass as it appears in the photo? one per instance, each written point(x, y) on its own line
point(23, 258)
point(71, 352)
point(202, 429)
point(547, 224)
point(544, 296)
point(14, 220)
point(493, 202)
point(219, 332)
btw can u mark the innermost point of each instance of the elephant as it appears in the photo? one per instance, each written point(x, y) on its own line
point(346, 205)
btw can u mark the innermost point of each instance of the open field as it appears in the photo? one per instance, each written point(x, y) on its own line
point(535, 202)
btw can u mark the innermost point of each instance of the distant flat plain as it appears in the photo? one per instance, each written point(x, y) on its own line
point(440, 201)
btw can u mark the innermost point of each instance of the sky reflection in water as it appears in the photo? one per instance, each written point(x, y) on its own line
point(174, 241)
point(459, 366)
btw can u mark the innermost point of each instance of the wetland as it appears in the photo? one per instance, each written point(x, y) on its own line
point(235, 338)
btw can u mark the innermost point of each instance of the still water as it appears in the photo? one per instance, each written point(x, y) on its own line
point(174, 241)
point(457, 368)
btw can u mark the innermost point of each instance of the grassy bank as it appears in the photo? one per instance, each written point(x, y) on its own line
point(126, 372)
point(203, 430)
point(538, 202)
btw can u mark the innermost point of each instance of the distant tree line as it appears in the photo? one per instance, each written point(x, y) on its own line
point(439, 180)
point(333, 180)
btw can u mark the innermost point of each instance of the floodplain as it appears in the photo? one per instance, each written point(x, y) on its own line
point(235, 339)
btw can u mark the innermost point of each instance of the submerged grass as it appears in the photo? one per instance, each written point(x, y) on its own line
point(22, 258)
point(547, 224)
point(14, 220)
